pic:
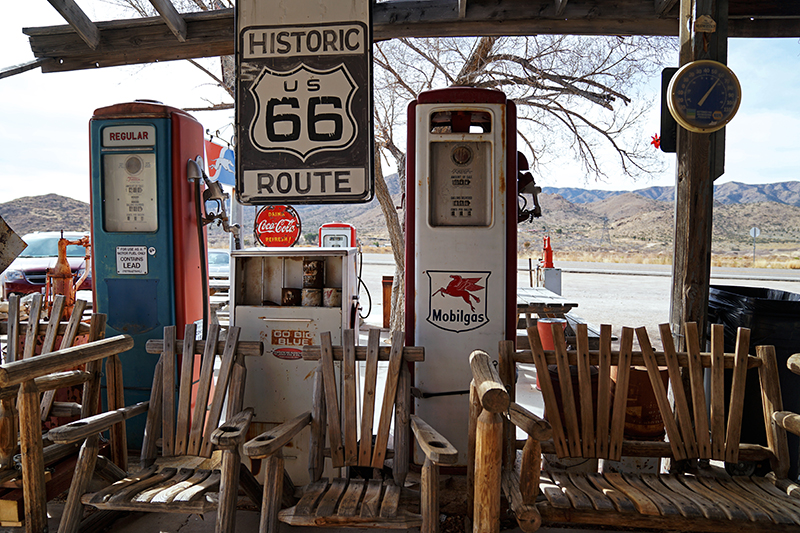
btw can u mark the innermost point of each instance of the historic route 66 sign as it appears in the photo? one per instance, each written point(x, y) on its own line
point(303, 102)
point(283, 99)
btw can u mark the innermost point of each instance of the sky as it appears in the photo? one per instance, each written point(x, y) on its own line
point(44, 118)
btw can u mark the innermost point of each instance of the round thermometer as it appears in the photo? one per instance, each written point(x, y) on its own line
point(703, 96)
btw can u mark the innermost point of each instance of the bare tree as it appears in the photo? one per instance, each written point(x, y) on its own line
point(576, 93)
point(226, 78)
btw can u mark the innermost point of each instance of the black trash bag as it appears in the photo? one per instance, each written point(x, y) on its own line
point(773, 317)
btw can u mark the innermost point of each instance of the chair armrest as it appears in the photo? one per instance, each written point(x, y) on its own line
point(788, 421)
point(273, 440)
point(529, 423)
point(85, 427)
point(436, 448)
point(231, 433)
point(794, 363)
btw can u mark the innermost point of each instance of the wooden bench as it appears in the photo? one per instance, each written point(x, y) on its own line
point(697, 495)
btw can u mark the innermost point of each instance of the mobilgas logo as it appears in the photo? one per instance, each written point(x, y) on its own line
point(457, 300)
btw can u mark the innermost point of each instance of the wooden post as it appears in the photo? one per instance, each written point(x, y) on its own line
point(33, 483)
point(115, 399)
point(273, 493)
point(488, 472)
point(700, 161)
point(475, 409)
point(429, 506)
point(84, 469)
point(229, 490)
point(507, 372)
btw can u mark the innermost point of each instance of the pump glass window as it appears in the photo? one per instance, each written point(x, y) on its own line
point(460, 179)
point(129, 192)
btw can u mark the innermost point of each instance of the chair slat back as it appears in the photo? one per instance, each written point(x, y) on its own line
point(681, 449)
point(692, 431)
point(585, 422)
point(368, 407)
point(343, 426)
point(185, 390)
point(183, 430)
point(690, 439)
point(698, 391)
point(619, 409)
point(349, 400)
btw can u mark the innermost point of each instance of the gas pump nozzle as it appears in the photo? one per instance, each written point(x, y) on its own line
point(526, 185)
point(213, 192)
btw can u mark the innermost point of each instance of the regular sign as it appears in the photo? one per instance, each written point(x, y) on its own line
point(304, 102)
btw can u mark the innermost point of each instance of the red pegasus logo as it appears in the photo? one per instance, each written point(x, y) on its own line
point(461, 288)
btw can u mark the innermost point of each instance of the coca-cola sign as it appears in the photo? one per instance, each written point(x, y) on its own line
point(277, 225)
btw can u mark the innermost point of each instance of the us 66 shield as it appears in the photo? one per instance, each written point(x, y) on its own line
point(304, 113)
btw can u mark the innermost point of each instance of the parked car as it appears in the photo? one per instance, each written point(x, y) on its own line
point(219, 264)
point(28, 272)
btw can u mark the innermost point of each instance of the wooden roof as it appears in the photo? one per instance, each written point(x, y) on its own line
point(83, 44)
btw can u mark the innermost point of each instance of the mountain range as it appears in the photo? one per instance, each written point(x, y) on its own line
point(576, 218)
point(787, 192)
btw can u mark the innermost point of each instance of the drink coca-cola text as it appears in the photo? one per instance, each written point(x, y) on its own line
point(280, 226)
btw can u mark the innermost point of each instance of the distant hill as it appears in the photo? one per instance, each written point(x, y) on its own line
point(787, 192)
point(49, 212)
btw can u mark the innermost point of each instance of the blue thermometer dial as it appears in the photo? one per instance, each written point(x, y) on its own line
point(703, 96)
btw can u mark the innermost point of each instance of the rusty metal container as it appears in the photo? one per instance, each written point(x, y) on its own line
point(312, 298)
point(313, 273)
point(291, 297)
point(331, 297)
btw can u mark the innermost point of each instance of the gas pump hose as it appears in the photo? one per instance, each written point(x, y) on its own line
point(201, 244)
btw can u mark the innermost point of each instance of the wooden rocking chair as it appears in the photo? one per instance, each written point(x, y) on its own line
point(182, 478)
point(359, 497)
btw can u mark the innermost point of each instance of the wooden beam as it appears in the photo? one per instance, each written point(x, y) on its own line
point(560, 6)
point(462, 8)
point(211, 34)
point(700, 162)
point(172, 18)
point(663, 7)
point(13, 70)
point(79, 21)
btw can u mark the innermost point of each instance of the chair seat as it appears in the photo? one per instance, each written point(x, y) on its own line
point(353, 502)
point(709, 503)
point(175, 490)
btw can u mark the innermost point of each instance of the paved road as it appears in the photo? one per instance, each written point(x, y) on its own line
point(607, 293)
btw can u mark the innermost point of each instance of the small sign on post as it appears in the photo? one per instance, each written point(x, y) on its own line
point(754, 232)
point(303, 102)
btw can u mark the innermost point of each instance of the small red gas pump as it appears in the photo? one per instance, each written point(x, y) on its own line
point(547, 254)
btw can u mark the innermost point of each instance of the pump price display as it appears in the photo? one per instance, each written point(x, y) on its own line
point(460, 177)
point(304, 102)
point(131, 259)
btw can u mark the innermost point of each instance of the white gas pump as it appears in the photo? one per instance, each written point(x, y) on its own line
point(460, 244)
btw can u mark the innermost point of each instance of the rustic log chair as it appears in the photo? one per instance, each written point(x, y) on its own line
point(180, 480)
point(693, 496)
point(349, 501)
point(25, 376)
point(35, 329)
